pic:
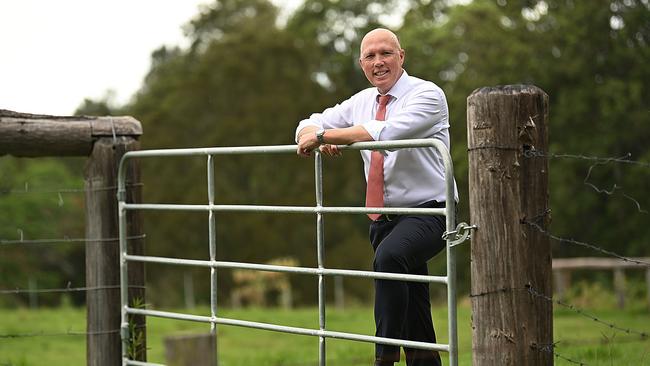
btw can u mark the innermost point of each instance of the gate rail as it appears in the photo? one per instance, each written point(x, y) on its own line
point(320, 271)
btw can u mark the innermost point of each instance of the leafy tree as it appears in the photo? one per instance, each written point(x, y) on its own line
point(245, 80)
point(234, 86)
point(589, 57)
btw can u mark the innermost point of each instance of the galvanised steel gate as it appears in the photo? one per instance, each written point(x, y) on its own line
point(319, 210)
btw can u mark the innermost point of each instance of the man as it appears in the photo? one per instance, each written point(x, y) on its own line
point(399, 106)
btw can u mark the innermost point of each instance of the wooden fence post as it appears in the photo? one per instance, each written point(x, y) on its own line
point(104, 140)
point(102, 257)
point(511, 259)
point(191, 349)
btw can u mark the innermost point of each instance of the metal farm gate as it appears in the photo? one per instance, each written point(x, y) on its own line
point(453, 236)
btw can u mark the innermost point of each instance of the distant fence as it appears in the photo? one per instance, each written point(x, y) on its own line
point(563, 267)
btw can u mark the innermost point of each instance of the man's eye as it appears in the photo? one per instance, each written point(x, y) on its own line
point(387, 53)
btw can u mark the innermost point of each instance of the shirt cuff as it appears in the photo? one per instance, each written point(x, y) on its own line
point(374, 128)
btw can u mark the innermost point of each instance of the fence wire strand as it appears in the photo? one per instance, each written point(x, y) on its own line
point(625, 159)
point(28, 190)
point(58, 334)
point(614, 189)
point(585, 314)
point(584, 244)
point(63, 289)
point(66, 240)
point(533, 292)
point(550, 348)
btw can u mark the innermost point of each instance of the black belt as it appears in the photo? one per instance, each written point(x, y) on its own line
point(429, 204)
point(388, 217)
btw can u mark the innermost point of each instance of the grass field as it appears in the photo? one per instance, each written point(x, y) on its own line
point(40, 337)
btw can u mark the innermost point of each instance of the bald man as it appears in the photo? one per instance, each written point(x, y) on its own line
point(398, 106)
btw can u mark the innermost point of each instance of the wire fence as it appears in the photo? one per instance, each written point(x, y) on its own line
point(534, 222)
point(634, 335)
point(22, 242)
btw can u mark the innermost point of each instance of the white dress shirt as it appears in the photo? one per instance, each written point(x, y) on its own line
point(417, 109)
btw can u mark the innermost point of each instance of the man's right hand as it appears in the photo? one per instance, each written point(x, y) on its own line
point(307, 141)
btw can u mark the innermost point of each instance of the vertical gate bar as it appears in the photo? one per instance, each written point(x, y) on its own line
point(320, 238)
point(213, 246)
point(124, 278)
point(450, 214)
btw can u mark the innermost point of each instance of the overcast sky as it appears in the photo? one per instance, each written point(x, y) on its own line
point(53, 54)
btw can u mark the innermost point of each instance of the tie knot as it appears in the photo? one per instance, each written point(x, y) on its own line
point(383, 99)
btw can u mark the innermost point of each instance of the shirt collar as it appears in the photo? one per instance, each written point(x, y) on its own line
point(401, 86)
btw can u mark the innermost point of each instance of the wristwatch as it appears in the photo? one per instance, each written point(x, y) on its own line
point(320, 136)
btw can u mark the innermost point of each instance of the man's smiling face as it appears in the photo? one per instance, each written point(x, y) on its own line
point(381, 59)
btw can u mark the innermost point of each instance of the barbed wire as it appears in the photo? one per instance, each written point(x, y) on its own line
point(550, 348)
point(615, 187)
point(22, 240)
point(529, 289)
point(28, 190)
point(65, 289)
point(499, 290)
point(55, 334)
point(625, 159)
point(536, 293)
point(584, 244)
point(66, 333)
point(61, 191)
point(603, 340)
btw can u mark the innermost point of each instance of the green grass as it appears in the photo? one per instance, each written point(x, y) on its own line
point(580, 339)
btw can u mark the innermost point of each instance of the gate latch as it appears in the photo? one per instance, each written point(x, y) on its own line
point(463, 232)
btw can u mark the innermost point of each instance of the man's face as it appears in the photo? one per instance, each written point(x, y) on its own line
point(381, 60)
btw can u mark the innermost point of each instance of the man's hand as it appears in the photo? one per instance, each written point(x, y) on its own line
point(330, 150)
point(307, 142)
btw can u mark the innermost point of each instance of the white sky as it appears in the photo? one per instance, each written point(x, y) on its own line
point(53, 54)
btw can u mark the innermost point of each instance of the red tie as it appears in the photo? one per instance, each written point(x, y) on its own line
point(375, 189)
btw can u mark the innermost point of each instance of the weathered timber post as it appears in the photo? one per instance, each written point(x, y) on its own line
point(191, 350)
point(102, 259)
point(104, 140)
point(512, 317)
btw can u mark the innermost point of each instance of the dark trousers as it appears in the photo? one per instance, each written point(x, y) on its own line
point(404, 244)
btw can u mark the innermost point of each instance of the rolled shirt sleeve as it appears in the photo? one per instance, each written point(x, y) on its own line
point(338, 116)
point(422, 115)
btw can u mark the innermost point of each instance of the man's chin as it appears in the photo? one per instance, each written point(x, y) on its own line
point(382, 85)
